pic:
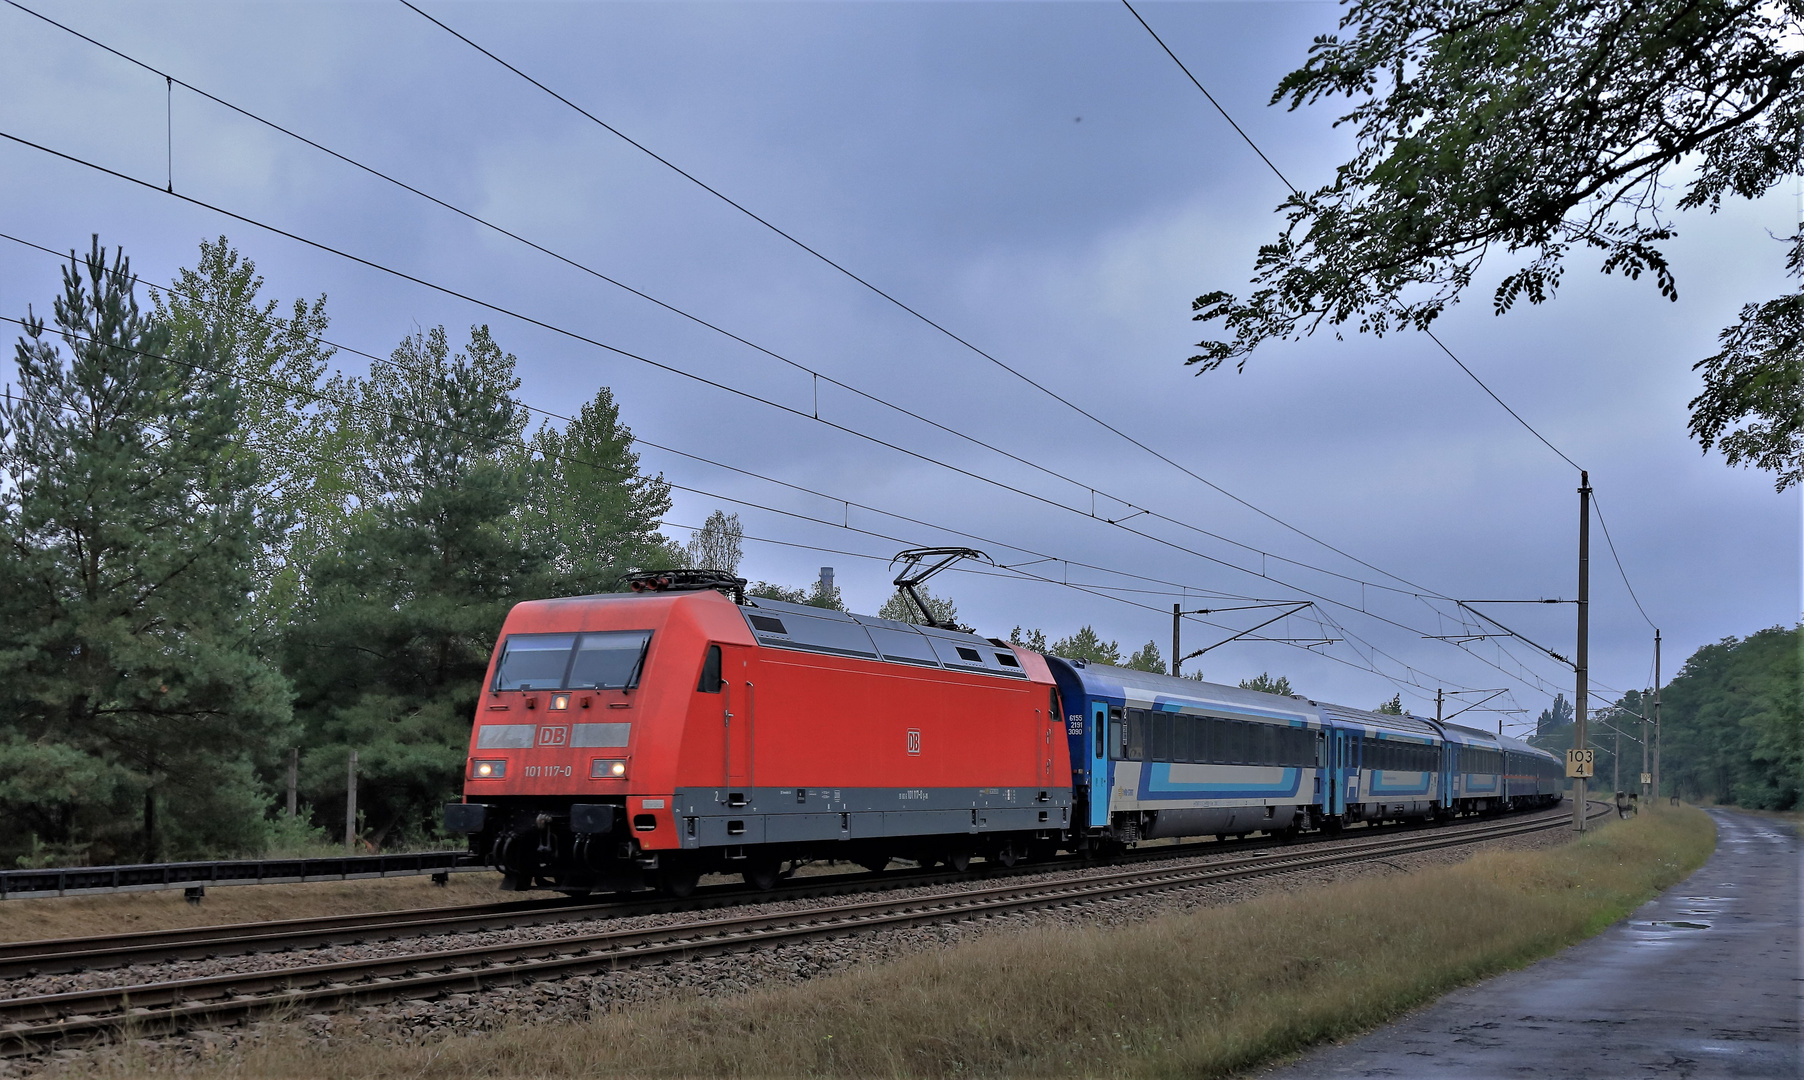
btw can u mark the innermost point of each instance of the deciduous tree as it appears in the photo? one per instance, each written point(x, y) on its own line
point(1532, 130)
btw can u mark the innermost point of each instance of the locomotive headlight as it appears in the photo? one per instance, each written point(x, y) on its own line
point(488, 770)
point(607, 769)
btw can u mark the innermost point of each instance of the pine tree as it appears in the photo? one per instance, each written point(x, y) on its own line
point(1147, 659)
point(587, 500)
point(1265, 684)
point(1088, 646)
point(389, 651)
point(130, 518)
point(1393, 707)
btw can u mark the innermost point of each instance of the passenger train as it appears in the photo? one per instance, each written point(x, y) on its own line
point(640, 740)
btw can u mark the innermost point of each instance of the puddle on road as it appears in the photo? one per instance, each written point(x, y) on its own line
point(1678, 924)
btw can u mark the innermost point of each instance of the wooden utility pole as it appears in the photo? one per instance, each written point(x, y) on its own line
point(294, 780)
point(351, 804)
point(1646, 715)
point(1584, 644)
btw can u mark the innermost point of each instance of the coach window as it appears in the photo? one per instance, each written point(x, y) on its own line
point(710, 683)
point(1161, 736)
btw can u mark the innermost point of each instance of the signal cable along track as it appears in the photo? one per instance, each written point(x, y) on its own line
point(36, 1024)
point(23, 959)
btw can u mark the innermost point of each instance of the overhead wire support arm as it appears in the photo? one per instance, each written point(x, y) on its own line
point(1294, 609)
point(1527, 641)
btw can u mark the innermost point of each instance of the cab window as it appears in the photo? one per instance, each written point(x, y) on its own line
point(710, 683)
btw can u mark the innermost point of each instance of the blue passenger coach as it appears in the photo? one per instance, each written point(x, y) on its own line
point(1385, 767)
point(1474, 770)
point(1155, 756)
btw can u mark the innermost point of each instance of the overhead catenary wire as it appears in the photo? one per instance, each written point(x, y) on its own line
point(1264, 555)
point(910, 310)
point(747, 395)
point(1135, 509)
point(1099, 591)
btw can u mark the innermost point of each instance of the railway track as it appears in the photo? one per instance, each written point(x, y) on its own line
point(61, 955)
point(35, 1024)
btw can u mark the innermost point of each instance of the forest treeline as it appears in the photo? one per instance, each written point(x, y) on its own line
point(217, 549)
point(1732, 718)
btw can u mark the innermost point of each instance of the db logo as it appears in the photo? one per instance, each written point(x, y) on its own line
point(914, 741)
point(554, 736)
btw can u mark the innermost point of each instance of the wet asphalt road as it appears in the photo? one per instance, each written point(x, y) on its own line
point(1702, 981)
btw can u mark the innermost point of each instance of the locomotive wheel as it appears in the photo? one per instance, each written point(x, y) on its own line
point(958, 862)
point(680, 881)
point(762, 875)
point(1007, 854)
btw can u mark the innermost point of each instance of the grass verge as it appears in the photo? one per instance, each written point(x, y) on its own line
point(1193, 995)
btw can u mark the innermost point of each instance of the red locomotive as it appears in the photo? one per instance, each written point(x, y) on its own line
point(642, 739)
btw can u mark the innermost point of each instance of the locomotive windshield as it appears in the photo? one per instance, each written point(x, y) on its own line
point(608, 660)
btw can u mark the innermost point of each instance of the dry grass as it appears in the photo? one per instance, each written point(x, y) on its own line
point(122, 913)
point(1194, 995)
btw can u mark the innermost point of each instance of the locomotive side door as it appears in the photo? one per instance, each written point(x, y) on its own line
point(737, 718)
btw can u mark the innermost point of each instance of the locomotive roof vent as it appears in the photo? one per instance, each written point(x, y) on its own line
point(691, 580)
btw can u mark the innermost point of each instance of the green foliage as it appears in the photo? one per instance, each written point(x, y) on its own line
point(817, 595)
point(131, 520)
point(1554, 717)
point(1265, 684)
point(1147, 659)
point(900, 608)
point(1757, 381)
point(1393, 707)
point(1733, 721)
point(289, 411)
point(588, 504)
point(1532, 130)
point(1032, 639)
point(1088, 646)
point(389, 650)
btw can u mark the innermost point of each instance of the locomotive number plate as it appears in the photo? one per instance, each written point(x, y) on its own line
point(548, 770)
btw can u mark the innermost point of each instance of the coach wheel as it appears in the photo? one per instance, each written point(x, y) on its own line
point(874, 863)
point(958, 862)
point(1007, 854)
point(762, 875)
point(680, 881)
point(1333, 825)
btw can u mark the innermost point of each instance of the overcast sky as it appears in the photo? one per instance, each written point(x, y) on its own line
point(1038, 179)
